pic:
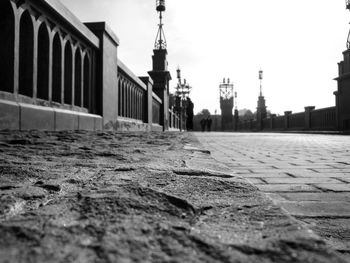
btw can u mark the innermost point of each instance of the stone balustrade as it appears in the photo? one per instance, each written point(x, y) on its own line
point(57, 73)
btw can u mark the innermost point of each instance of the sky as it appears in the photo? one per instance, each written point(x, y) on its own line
point(296, 43)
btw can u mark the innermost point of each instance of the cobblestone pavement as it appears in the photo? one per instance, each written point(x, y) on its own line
point(138, 197)
point(308, 175)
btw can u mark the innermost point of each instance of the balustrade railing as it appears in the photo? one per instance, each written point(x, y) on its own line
point(132, 95)
point(55, 56)
point(156, 108)
point(297, 121)
point(323, 119)
point(278, 122)
point(266, 123)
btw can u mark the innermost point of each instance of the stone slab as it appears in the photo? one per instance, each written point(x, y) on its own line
point(98, 123)
point(255, 181)
point(317, 209)
point(86, 122)
point(286, 188)
point(156, 127)
point(126, 124)
point(314, 174)
point(335, 187)
point(273, 170)
point(333, 170)
point(9, 115)
point(290, 180)
point(328, 197)
point(66, 120)
point(35, 117)
point(271, 175)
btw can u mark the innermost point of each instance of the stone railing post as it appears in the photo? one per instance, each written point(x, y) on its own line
point(149, 101)
point(308, 110)
point(107, 83)
point(286, 119)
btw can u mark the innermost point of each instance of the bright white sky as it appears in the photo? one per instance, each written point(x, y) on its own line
point(297, 43)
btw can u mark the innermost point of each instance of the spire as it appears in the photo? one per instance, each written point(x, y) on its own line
point(261, 78)
point(160, 42)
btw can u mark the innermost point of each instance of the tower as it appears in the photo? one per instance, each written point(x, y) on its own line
point(342, 95)
point(261, 112)
point(159, 73)
point(226, 105)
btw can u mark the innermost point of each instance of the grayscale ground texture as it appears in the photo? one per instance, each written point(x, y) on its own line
point(173, 197)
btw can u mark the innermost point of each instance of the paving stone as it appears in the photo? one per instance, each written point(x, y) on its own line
point(319, 163)
point(332, 170)
point(314, 180)
point(314, 174)
point(343, 197)
point(335, 187)
point(317, 209)
point(256, 180)
point(286, 188)
point(270, 175)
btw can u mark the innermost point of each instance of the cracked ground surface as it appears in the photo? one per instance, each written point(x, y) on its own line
point(137, 197)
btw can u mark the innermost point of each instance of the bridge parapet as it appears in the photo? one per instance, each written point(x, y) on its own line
point(49, 56)
point(62, 74)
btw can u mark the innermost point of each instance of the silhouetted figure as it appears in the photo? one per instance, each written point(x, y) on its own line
point(189, 109)
point(203, 123)
point(209, 122)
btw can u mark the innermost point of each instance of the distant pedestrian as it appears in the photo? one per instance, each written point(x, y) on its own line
point(203, 123)
point(209, 122)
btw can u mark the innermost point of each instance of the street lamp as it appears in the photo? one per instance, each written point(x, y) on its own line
point(347, 4)
point(183, 90)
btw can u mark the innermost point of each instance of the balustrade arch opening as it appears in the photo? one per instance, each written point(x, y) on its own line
point(87, 81)
point(57, 69)
point(7, 24)
point(77, 78)
point(43, 62)
point(68, 73)
point(26, 54)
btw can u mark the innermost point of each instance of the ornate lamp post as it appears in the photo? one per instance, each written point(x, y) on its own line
point(182, 92)
point(347, 4)
point(160, 42)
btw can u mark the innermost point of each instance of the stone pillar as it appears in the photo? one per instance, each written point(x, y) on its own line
point(308, 110)
point(107, 74)
point(35, 59)
point(16, 50)
point(286, 119)
point(149, 101)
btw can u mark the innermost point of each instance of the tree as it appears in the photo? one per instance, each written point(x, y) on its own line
point(205, 113)
point(248, 115)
